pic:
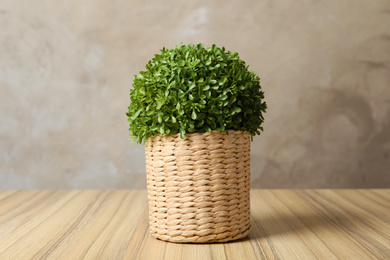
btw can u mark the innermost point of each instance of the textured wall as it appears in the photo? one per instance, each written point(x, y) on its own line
point(66, 69)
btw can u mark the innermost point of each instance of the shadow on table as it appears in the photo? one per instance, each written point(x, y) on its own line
point(267, 227)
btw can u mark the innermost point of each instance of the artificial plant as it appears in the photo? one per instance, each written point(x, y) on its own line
point(191, 88)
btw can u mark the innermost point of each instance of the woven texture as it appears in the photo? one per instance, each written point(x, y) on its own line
point(198, 188)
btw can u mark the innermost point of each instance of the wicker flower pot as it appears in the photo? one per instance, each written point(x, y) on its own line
point(198, 188)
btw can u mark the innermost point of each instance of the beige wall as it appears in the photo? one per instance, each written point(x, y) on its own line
point(66, 69)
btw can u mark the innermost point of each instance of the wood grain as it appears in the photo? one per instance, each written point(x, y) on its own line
point(108, 224)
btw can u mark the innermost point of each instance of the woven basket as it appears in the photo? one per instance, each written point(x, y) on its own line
point(198, 188)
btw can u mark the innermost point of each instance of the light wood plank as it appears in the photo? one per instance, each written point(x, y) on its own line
point(108, 224)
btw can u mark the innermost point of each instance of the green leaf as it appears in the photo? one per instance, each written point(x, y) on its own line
point(235, 110)
point(181, 111)
point(192, 86)
point(136, 114)
point(182, 133)
point(193, 115)
point(224, 97)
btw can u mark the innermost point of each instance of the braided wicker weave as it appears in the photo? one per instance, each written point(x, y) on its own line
point(198, 188)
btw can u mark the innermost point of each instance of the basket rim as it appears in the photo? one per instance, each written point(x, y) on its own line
point(224, 132)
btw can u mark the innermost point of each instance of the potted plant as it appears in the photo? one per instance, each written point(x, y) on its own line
point(196, 110)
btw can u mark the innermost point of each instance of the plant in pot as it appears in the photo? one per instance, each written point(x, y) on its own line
point(196, 109)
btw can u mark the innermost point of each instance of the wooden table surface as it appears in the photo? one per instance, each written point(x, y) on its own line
point(113, 224)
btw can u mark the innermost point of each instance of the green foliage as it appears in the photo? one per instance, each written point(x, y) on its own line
point(195, 89)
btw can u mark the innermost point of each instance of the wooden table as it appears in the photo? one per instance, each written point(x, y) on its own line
point(108, 224)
